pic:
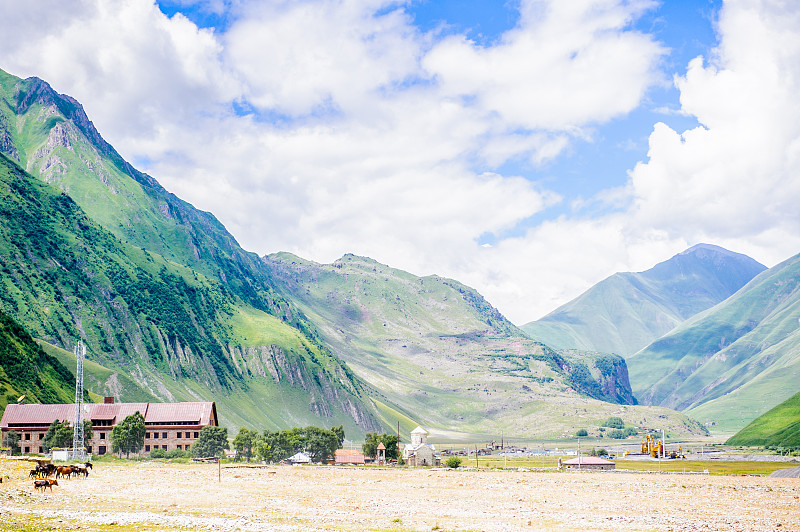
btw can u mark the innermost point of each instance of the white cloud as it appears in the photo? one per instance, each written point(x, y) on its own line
point(566, 64)
point(371, 137)
point(735, 178)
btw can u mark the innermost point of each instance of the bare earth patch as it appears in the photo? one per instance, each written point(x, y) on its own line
point(164, 497)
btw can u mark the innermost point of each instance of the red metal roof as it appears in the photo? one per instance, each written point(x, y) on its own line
point(587, 460)
point(199, 412)
point(18, 414)
point(348, 456)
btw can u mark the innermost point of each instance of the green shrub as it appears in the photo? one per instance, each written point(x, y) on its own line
point(158, 453)
point(177, 453)
point(453, 462)
point(581, 433)
point(614, 423)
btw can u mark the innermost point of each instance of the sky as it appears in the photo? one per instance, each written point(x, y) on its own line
point(527, 148)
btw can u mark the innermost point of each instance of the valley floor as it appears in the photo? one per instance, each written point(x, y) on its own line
point(151, 496)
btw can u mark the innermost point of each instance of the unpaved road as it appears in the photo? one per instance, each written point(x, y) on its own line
point(154, 496)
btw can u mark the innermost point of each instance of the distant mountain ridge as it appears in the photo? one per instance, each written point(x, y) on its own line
point(170, 306)
point(438, 352)
point(732, 362)
point(625, 312)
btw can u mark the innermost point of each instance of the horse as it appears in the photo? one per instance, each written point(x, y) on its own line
point(79, 470)
point(49, 469)
point(42, 483)
point(63, 471)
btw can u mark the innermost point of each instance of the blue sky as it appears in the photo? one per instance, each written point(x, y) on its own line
point(528, 149)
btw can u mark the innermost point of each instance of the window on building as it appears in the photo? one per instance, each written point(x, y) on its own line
point(164, 447)
point(147, 435)
point(155, 435)
point(180, 447)
point(102, 435)
point(27, 450)
point(101, 449)
point(147, 448)
point(27, 435)
point(41, 435)
point(179, 436)
point(89, 449)
point(40, 449)
point(196, 434)
point(164, 435)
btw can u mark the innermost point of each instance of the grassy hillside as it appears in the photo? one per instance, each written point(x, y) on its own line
point(628, 311)
point(733, 362)
point(444, 358)
point(779, 427)
point(25, 369)
point(176, 333)
point(156, 288)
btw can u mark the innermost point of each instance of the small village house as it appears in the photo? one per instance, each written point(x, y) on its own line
point(589, 463)
point(348, 457)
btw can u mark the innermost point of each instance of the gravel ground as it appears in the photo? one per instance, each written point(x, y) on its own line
point(166, 497)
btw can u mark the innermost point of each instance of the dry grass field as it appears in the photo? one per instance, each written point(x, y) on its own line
point(153, 496)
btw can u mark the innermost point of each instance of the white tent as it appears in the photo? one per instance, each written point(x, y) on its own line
point(299, 458)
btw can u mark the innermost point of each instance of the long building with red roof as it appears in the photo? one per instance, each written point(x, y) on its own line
point(168, 425)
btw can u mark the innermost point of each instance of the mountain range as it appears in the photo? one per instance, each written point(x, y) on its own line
point(94, 250)
point(627, 311)
point(172, 308)
point(732, 362)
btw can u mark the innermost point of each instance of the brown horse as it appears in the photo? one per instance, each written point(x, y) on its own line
point(63, 471)
point(42, 483)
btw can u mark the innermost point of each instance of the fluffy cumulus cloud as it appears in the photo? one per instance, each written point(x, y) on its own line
point(330, 126)
point(734, 178)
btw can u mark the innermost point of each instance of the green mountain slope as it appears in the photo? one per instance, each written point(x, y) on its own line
point(628, 311)
point(732, 362)
point(779, 427)
point(49, 135)
point(177, 333)
point(442, 356)
point(25, 369)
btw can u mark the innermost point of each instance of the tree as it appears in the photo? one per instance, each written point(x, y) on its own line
point(128, 435)
point(88, 432)
point(59, 435)
point(453, 462)
point(275, 446)
point(244, 443)
point(320, 444)
point(614, 423)
point(581, 433)
point(339, 431)
point(212, 441)
point(11, 440)
point(390, 441)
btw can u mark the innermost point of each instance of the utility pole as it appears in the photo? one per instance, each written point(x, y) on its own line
point(78, 443)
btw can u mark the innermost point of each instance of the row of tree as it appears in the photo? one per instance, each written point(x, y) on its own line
point(318, 443)
point(270, 446)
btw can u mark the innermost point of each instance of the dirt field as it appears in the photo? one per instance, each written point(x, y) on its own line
point(153, 496)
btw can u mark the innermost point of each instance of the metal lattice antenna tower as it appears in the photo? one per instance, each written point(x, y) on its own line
point(78, 448)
